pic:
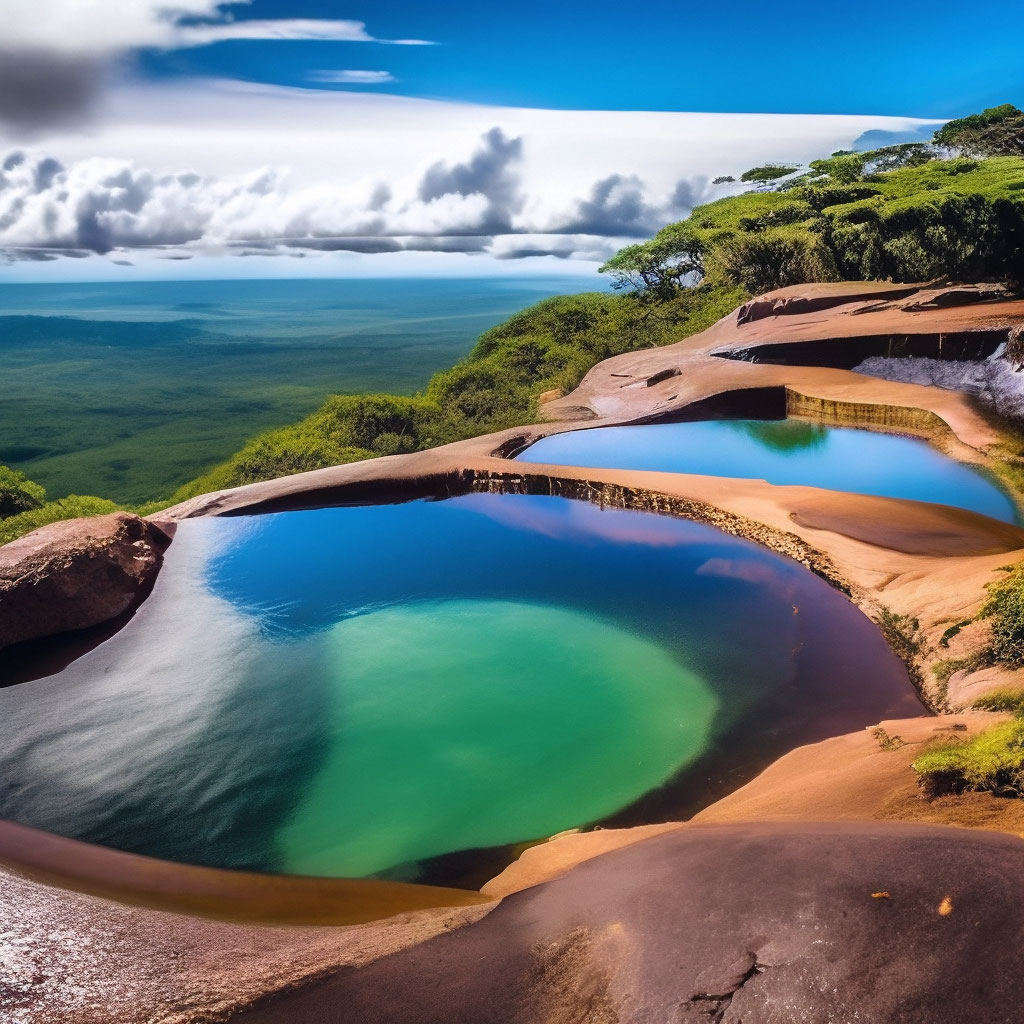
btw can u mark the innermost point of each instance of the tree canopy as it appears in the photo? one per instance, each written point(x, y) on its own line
point(672, 259)
point(768, 172)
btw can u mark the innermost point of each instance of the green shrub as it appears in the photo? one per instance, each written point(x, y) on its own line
point(997, 131)
point(992, 761)
point(71, 507)
point(903, 634)
point(18, 493)
point(768, 172)
point(1005, 609)
point(886, 741)
point(764, 262)
point(952, 631)
point(943, 670)
point(820, 197)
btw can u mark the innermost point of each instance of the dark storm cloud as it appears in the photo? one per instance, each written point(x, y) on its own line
point(562, 252)
point(39, 89)
point(616, 207)
point(490, 172)
point(448, 243)
point(364, 244)
point(688, 193)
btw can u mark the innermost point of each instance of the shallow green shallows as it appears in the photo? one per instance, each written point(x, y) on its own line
point(510, 720)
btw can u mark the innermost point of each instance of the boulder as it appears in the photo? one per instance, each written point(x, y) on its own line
point(743, 924)
point(76, 574)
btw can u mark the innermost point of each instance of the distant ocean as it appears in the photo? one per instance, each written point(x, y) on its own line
point(128, 390)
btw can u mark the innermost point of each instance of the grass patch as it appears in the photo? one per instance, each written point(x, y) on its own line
point(71, 507)
point(942, 670)
point(991, 762)
point(953, 631)
point(1006, 699)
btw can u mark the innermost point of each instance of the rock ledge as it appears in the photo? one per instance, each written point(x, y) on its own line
point(76, 574)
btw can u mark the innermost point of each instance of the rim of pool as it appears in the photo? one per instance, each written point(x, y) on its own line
point(785, 451)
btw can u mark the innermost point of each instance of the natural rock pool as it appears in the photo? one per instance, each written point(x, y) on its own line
point(784, 452)
point(361, 690)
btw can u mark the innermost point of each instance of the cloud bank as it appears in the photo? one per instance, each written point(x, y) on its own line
point(100, 205)
point(204, 167)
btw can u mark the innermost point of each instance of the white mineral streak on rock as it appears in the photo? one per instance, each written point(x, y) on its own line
point(992, 381)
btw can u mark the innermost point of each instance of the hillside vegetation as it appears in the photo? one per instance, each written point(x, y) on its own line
point(951, 210)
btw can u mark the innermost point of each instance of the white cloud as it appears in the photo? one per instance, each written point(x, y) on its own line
point(107, 27)
point(352, 77)
point(282, 28)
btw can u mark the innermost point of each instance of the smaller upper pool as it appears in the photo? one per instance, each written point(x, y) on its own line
point(784, 452)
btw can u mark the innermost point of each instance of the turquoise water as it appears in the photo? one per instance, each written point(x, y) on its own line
point(129, 390)
point(784, 452)
point(404, 690)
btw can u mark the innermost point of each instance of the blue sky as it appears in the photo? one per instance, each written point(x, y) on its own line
point(906, 57)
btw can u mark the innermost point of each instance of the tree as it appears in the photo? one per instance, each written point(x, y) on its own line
point(768, 172)
point(671, 260)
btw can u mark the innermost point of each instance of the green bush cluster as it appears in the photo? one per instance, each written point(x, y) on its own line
point(18, 493)
point(993, 761)
point(42, 512)
point(1001, 700)
point(901, 213)
point(768, 172)
point(997, 131)
point(549, 346)
point(1005, 610)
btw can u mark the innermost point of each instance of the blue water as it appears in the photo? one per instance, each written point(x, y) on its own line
point(365, 690)
point(784, 452)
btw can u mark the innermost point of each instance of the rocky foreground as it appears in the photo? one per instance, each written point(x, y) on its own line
point(824, 890)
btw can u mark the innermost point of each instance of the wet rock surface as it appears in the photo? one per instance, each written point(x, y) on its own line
point(759, 924)
point(69, 958)
point(76, 574)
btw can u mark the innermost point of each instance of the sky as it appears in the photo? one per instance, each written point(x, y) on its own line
point(155, 138)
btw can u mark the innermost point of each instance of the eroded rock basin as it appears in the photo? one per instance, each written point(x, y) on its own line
point(784, 452)
point(408, 689)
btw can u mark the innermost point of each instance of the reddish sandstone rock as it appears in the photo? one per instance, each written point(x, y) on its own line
point(755, 923)
point(76, 574)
